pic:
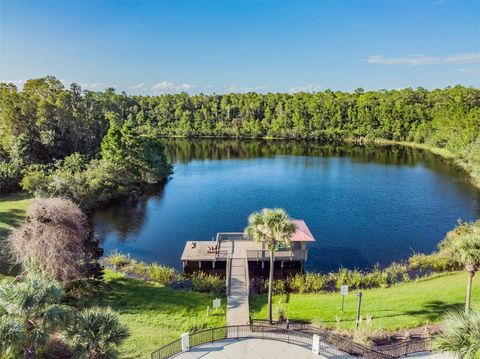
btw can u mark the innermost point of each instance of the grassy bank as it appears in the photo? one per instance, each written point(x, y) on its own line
point(468, 168)
point(155, 314)
point(12, 211)
point(403, 306)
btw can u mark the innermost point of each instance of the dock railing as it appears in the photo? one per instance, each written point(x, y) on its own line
point(221, 254)
point(247, 276)
point(263, 254)
point(231, 236)
point(227, 274)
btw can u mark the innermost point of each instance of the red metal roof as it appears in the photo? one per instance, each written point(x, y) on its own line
point(302, 234)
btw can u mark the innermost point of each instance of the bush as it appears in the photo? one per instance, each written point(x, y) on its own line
point(117, 260)
point(56, 241)
point(307, 283)
point(153, 272)
point(161, 274)
point(10, 176)
point(279, 312)
point(86, 182)
point(209, 283)
point(351, 277)
point(434, 262)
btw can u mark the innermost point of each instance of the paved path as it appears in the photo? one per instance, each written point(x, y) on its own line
point(238, 310)
point(428, 355)
point(257, 349)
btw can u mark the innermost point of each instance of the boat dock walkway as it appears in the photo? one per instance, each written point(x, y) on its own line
point(238, 309)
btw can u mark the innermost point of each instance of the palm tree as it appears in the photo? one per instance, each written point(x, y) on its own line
point(30, 311)
point(271, 227)
point(466, 248)
point(95, 332)
point(461, 335)
point(11, 335)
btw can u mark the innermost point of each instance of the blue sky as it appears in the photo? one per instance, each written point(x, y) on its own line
point(152, 47)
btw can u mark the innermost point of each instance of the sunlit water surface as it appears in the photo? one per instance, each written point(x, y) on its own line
point(364, 205)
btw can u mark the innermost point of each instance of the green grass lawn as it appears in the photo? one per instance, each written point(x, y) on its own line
point(155, 314)
point(12, 214)
point(12, 211)
point(402, 306)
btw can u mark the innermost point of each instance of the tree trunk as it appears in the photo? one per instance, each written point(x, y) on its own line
point(270, 287)
point(469, 290)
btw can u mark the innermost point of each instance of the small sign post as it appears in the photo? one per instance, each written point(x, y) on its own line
point(216, 303)
point(343, 293)
point(359, 307)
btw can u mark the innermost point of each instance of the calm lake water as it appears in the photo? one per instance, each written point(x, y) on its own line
point(364, 205)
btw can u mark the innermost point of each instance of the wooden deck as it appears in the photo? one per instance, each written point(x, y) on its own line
point(220, 249)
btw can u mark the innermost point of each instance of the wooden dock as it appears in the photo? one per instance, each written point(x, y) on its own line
point(238, 288)
point(237, 257)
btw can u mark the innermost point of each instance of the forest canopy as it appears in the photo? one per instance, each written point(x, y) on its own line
point(45, 122)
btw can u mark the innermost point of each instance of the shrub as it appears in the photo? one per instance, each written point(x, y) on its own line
point(153, 272)
point(279, 312)
point(209, 283)
point(56, 241)
point(365, 331)
point(161, 274)
point(30, 313)
point(258, 285)
point(95, 333)
point(434, 262)
point(307, 283)
point(117, 260)
point(9, 177)
point(352, 278)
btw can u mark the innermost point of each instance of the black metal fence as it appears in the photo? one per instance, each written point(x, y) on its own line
point(168, 350)
point(347, 345)
point(295, 333)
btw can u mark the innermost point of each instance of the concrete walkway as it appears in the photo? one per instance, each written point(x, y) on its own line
point(238, 310)
point(257, 349)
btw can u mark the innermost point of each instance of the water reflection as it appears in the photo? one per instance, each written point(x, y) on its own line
point(364, 204)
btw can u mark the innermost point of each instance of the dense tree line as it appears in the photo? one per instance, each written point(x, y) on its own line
point(80, 145)
point(46, 122)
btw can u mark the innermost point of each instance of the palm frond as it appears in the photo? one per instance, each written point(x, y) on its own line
point(461, 335)
point(12, 335)
point(96, 330)
point(270, 226)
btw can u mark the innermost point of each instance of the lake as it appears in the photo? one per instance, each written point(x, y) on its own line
point(364, 204)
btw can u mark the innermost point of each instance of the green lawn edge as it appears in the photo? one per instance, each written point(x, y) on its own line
point(402, 306)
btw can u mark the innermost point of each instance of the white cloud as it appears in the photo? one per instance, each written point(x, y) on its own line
point(186, 86)
point(307, 88)
point(236, 88)
point(407, 60)
point(168, 86)
point(469, 70)
point(467, 58)
point(94, 86)
point(17, 83)
point(415, 60)
point(138, 87)
point(164, 85)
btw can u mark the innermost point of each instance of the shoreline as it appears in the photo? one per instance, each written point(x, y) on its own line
point(441, 152)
